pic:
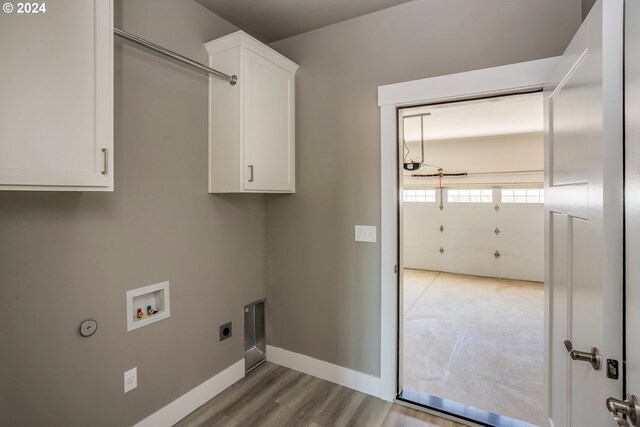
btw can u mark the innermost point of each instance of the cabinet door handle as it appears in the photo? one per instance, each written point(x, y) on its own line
point(250, 173)
point(105, 170)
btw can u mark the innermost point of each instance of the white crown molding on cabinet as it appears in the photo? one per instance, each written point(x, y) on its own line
point(240, 38)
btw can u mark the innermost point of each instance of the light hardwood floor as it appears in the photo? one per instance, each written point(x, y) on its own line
point(272, 395)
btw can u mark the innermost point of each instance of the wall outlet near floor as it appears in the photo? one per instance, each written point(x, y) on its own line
point(366, 233)
point(226, 331)
point(130, 379)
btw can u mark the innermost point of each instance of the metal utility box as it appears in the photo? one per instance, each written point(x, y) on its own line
point(255, 343)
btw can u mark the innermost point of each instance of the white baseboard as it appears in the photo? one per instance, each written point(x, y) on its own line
point(324, 370)
point(193, 399)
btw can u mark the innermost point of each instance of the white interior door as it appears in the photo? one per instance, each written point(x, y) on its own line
point(584, 219)
point(632, 195)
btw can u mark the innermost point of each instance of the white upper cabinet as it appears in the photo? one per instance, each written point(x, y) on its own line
point(251, 123)
point(56, 108)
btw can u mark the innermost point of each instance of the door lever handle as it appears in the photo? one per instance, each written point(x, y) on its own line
point(592, 357)
point(620, 408)
point(621, 421)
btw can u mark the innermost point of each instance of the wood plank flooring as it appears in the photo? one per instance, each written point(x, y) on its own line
point(272, 395)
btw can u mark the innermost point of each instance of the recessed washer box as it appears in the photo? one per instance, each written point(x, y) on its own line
point(157, 296)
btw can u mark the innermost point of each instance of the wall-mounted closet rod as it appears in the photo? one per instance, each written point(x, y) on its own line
point(131, 37)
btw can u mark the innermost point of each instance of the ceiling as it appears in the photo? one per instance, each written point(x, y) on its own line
point(515, 114)
point(271, 20)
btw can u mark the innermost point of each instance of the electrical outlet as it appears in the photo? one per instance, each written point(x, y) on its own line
point(130, 379)
point(226, 331)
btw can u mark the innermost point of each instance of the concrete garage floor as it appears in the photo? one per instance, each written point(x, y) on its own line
point(475, 340)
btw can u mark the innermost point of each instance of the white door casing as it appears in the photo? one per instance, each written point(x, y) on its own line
point(400, 249)
point(500, 80)
point(584, 218)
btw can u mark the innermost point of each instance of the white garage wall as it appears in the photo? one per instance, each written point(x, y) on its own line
point(485, 154)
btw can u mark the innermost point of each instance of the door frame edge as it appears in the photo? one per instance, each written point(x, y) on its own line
point(493, 81)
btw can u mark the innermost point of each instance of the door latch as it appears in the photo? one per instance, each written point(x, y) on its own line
point(612, 369)
point(592, 357)
point(620, 408)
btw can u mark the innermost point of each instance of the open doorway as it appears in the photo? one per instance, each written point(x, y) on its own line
point(472, 258)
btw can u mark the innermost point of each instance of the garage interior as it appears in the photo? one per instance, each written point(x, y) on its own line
point(472, 243)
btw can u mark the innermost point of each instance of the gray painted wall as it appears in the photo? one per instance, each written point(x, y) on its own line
point(65, 257)
point(323, 288)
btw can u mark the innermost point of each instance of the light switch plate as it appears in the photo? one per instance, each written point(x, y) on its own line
point(366, 233)
point(130, 379)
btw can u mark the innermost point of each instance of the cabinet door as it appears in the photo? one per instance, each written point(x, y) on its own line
point(56, 110)
point(268, 126)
